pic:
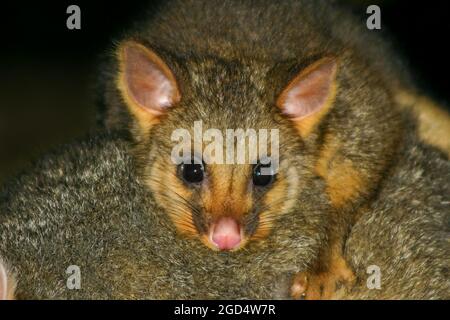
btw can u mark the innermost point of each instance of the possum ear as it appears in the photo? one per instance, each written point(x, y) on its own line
point(309, 96)
point(7, 284)
point(147, 85)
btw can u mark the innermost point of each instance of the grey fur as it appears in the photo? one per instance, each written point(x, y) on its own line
point(406, 231)
point(84, 206)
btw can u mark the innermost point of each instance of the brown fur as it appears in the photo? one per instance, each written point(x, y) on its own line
point(250, 53)
point(433, 119)
point(344, 182)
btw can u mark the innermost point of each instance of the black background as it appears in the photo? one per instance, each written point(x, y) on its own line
point(47, 71)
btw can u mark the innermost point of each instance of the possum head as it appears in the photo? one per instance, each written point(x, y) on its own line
point(210, 108)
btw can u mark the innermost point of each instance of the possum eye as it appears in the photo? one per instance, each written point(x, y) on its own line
point(263, 174)
point(192, 172)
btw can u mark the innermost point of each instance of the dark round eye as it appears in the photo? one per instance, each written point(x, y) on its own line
point(263, 175)
point(191, 172)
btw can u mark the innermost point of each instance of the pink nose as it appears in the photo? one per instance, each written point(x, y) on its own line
point(226, 234)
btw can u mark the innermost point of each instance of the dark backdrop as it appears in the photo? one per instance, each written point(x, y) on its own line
point(46, 70)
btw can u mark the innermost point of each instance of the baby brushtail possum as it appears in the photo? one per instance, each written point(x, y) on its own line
point(83, 206)
point(305, 68)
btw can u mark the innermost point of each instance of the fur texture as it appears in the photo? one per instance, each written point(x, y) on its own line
point(232, 60)
point(84, 206)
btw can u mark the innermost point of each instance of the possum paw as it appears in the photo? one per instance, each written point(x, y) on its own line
point(322, 285)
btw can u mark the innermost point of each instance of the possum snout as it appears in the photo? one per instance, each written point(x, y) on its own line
point(226, 234)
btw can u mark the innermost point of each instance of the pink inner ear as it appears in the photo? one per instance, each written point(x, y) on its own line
point(309, 92)
point(148, 81)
